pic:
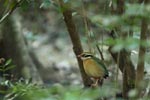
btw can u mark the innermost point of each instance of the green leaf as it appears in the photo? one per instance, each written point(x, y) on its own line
point(6, 3)
point(109, 42)
point(65, 1)
point(8, 62)
point(118, 47)
point(45, 4)
point(1, 70)
point(25, 5)
point(132, 93)
point(9, 67)
point(74, 13)
point(3, 92)
point(106, 21)
point(131, 43)
point(137, 10)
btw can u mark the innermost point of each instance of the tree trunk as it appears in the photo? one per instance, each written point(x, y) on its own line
point(125, 64)
point(67, 13)
point(142, 49)
point(127, 68)
point(13, 46)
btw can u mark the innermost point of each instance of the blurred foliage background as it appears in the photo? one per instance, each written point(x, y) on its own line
point(37, 58)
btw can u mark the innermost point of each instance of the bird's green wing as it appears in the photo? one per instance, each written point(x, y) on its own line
point(101, 64)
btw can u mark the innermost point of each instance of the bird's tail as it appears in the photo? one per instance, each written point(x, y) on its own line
point(106, 75)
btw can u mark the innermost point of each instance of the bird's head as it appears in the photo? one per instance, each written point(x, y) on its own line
point(85, 55)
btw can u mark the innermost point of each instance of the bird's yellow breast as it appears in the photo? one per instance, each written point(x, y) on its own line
point(93, 69)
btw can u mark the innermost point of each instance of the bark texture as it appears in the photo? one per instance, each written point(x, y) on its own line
point(77, 48)
point(13, 46)
point(124, 62)
point(142, 50)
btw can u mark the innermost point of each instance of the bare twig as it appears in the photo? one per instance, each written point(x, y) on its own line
point(86, 26)
point(99, 50)
point(88, 29)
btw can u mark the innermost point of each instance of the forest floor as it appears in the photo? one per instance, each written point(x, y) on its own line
point(49, 39)
point(58, 59)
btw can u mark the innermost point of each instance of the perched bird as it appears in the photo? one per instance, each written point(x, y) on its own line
point(93, 67)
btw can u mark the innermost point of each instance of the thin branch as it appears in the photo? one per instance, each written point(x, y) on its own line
point(11, 11)
point(124, 63)
point(99, 50)
point(142, 50)
point(88, 29)
point(86, 26)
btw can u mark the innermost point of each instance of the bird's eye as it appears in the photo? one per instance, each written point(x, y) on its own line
point(87, 55)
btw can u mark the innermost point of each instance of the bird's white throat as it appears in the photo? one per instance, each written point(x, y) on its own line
point(85, 58)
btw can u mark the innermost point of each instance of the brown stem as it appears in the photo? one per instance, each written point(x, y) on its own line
point(120, 7)
point(67, 13)
point(100, 52)
point(87, 28)
point(126, 66)
point(142, 49)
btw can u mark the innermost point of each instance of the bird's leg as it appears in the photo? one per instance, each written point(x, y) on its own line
point(96, 83)
point(100, 82)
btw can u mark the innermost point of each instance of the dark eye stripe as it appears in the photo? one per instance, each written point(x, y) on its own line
point(87, 55)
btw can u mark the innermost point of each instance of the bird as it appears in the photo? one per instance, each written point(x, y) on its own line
point(94, 67)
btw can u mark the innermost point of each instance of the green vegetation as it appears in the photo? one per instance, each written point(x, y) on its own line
point(39, 65)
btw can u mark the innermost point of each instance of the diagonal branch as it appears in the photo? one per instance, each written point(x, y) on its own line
point(11, 11)
point(67, 14)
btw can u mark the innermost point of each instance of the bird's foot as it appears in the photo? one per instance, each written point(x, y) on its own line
point(94, 85)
